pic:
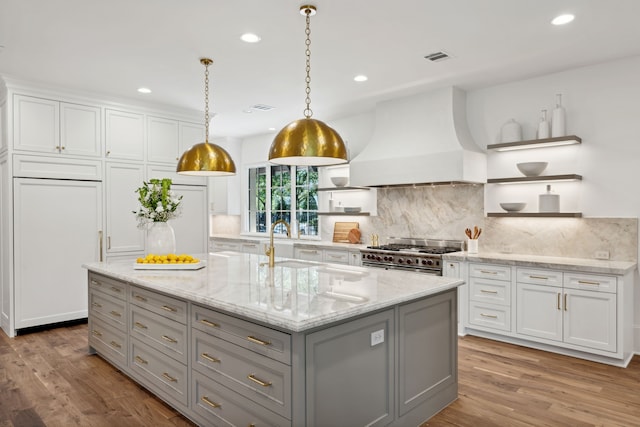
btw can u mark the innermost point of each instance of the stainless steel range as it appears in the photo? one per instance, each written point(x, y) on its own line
point(420, 255)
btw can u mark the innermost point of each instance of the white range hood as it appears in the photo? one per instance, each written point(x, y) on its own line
point(420, 139)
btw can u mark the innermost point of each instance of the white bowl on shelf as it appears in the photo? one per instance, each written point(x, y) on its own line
point(339, 181)
point(513, 207)
point(532, 168)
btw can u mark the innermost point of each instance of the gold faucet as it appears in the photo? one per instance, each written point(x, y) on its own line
point(270, 251)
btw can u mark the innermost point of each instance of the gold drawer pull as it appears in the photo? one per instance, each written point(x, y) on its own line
point(334, 256)
point(114, 289)
point(538, 277)
point(209, 323)
point(140, 325)
point(211, 403)
point(488, 272)
point(93, 282)
point(141, 360)
point(258, 341)
point(485, 291)
point(115, 344)
point(169, 377)
point(559, 308)
point(95, 304)
point(115, 313)
point(141, 298)
point(96, 333)
point(565, 302)
point(490, 316)
point(253, 378)
point(171, 340)
point(168, 308)
point(588, 282)
point(209, 358)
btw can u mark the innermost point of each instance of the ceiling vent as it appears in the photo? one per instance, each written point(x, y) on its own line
point(437, 56)
point(261, 107)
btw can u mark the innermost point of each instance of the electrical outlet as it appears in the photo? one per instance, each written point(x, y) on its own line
point(601, 255)
point(377, 337)
point(506, 249)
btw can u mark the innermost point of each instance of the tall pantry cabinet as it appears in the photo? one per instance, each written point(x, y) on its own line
point(69, 168)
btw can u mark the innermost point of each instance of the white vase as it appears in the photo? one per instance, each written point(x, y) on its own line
point(558, 119)
point(161, 240)
point(543, 126)
point(511, 131)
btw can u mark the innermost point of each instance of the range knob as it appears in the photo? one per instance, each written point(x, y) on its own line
point(369, 256)
point(409, 261)
point(429, 262)
point(378, 258)
point(400, 260)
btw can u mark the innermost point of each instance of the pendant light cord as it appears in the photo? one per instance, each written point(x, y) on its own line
point(308, 112)
point(206, 62)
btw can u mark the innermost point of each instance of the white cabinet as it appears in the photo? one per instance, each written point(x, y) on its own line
point(162, 140)
point(309, 254)
point(122, 234)
point(124, 135)
point(191, 226)
point(56, 230)
point(190, 134)
point(489, 294)
point(355, 258)
point(562, 310)
point(49, 126)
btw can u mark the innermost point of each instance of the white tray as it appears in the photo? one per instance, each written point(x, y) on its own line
point(190, 266)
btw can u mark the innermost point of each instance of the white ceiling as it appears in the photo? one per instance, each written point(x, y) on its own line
point(113, 47)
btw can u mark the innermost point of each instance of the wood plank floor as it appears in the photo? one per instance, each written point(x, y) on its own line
point(48, 379)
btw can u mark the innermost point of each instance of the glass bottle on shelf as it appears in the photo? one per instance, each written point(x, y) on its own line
point(558, 119)
point(543, 126)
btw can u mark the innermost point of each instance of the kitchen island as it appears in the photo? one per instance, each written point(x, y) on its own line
point(300, 343)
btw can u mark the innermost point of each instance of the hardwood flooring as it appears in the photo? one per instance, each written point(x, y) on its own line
point(48, 379)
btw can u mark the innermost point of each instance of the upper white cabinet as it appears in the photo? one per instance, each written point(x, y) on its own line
point(162, 140)
point(191, 227)
point(124, 135)
point(50, 126)
point(122, 180)
point(190, 134)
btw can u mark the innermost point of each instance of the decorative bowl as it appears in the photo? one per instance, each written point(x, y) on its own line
point(339, 181)
point(532, 168)
point(513, 207)
point(353, 209)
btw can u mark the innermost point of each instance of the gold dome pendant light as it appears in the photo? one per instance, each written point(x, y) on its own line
point(205, 159)
point(308, 142)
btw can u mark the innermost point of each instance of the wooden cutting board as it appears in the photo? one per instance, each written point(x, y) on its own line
point(341, 231)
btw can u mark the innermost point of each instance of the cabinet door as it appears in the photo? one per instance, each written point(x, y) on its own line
point(36, 124)
point(122, 200)
point(124, 135)
point(6, 248)
point(190, 134)
point(162, 140)
point(308, 254)
point(191, 227)
point(355, 258)
point(451, 269)
point(345, 360)
point(539, 311)
point(590, 319)
point(80, 130)
point(56, 231)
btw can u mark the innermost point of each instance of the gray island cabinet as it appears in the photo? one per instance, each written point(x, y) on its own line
point(299, 344)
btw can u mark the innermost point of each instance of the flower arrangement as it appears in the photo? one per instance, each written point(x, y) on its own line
point(158, 202)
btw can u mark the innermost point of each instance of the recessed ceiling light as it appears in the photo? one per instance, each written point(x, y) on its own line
point(361, 78)
point(144, 90)
point(250, 38)
point(563, 19)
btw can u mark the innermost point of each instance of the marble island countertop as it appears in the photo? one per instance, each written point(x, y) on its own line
point(299, 242)
point(295, 295)
point(541, 261)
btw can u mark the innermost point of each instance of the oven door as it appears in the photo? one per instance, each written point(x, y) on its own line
point(431, 271)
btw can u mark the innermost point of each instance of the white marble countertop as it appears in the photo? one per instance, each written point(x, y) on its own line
point(298, 242)
point(564, 263)
point(295, 295)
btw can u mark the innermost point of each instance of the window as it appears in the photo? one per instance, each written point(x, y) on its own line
point(283, 193)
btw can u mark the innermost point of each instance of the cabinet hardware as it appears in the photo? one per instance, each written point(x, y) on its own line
point(108, 242)
point(169, 339)
point(490, 316)
point(114, 289)
point(485, 291)
point(115, 344)
point(95, 304)
point(169, 377)
point(168, 308)
point(108, 152)
point(308, 251)
point(115, 313)
point(141, 360)
point(100, 246)
point(538, 277)
point(209, 358)
point(566, 307)
point(559, 308)
point(488, 272)
point(62, 147)
point(211, 403)
point(96, 333)
point(258, 341)
point(253, 378)
point(140, 325)
point(588, 282)
point(93, 282)
point(209, 323)
point(140, 298)
point(334, 256)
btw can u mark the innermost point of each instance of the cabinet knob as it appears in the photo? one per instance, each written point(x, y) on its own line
point(62, 147)
point(108, 152)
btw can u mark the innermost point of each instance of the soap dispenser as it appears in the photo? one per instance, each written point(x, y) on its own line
point(549, 202)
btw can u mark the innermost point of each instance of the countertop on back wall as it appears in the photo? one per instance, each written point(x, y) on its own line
point(552, 262)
